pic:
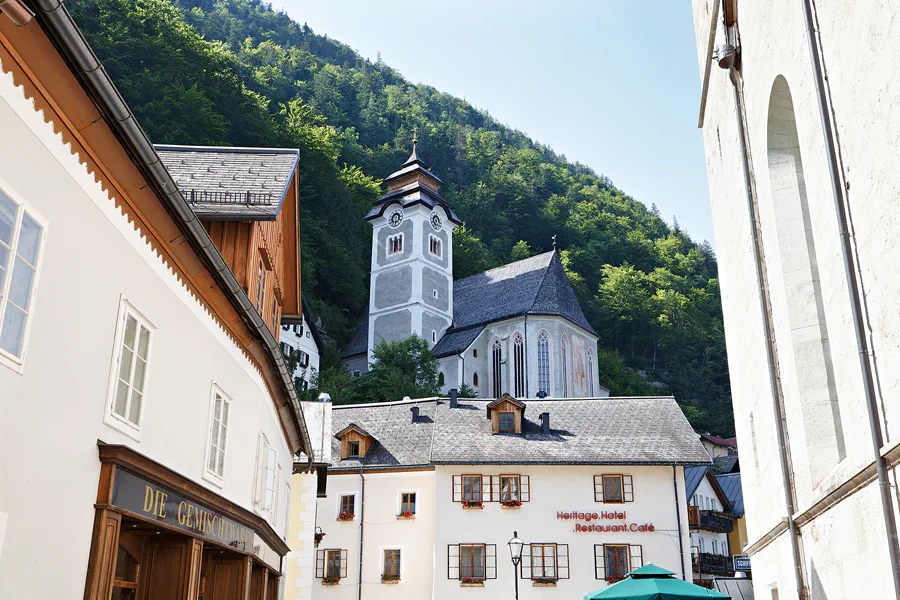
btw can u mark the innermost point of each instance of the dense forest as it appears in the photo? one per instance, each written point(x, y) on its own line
point(234, 72)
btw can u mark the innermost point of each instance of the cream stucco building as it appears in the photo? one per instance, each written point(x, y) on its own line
point(801, 128)
point(421, 497)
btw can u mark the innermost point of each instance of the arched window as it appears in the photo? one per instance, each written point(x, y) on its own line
point(564, 357)
point(796, 228)
point(590, 373)
point(519, 366)
point(496, 367)
point(543, 363)
point(474, 379)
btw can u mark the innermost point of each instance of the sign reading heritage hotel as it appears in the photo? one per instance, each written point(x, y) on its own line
point(587, 517)
point(138, 495)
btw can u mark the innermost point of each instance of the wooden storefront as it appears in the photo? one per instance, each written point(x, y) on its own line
point(159, 536)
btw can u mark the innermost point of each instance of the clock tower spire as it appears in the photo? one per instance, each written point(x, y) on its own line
point(411, 286)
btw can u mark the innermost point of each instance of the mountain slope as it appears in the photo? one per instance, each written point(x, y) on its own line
point(235, 72)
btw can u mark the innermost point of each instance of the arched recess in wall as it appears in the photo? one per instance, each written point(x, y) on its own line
point(810, 345)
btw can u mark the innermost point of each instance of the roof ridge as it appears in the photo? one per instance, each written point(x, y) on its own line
point(505, 265)
point(235, 149)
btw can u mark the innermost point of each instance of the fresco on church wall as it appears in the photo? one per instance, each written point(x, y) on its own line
point(579, 367)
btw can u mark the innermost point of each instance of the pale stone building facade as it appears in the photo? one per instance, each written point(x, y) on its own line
point(800, 140)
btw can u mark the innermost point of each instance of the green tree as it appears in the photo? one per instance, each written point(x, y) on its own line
point(404, 368)
point(520, 250)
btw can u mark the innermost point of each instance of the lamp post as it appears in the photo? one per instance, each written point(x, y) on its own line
point(515, 554)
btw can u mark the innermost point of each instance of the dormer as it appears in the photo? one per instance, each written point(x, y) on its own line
point(506, 415)
point(355, 442)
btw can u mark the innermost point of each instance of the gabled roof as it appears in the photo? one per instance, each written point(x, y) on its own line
point(223, 183)
point(727, 464)
point(714, 439)
point(734, 491)
point(454, 342)
point(590, 431)
point(353, 427)
point(537, 285)
point(694, 475)
point(505, 398)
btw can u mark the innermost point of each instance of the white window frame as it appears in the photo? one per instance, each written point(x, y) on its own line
point(208, 474)
point(110, 418)
point(263, 448)
point(400, 500)
point(381, 550)
point(17, 363)
point(390, 239)
point(432, 241)
point(337, 505)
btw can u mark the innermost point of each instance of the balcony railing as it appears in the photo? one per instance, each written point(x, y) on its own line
point(710, 520)
point(244, 198)
point(712, 564)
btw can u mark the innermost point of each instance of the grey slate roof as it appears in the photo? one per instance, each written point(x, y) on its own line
point(414, 193)
point(231, 183)
point(692, 478)
point(734, 491)
point(727, 464)
point(535, 286)
point(588, 431)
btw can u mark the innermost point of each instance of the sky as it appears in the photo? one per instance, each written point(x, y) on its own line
point(613, 84)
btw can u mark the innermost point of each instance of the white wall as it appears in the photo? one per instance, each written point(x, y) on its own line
point(858, 43)
point(51, 415)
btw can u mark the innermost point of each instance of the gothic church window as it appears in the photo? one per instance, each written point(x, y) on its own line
point(497, 362)
point(543, 363)
point(519, 366)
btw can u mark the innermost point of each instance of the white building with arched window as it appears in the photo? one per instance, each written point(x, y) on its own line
point(517, 329)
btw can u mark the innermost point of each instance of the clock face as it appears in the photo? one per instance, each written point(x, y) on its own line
point(396, 218)
point(436, 222)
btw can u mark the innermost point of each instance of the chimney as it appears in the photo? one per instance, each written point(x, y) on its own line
point(453, 393)
point(415, 413)
point(545, 423)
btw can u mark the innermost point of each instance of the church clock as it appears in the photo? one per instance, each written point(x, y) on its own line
point(396, 218)
point(436, 222)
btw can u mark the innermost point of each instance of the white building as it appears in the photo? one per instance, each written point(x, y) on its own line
point(153, 450)
point(710, 521)
point(516, 329)
point(800, 135)
point(303, 337)
point(422, 496)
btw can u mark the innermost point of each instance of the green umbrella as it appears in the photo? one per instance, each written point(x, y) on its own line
point(652, 583)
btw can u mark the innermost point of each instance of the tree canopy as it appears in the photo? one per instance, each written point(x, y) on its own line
point(235, 72)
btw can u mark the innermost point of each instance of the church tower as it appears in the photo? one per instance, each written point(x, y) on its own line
point(411, 287)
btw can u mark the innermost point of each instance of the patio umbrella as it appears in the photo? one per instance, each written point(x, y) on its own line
point(652, 583)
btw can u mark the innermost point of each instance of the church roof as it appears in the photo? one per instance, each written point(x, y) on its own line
point(591, 431)
point(224, 183)
point(537, 285)
point(414, 193)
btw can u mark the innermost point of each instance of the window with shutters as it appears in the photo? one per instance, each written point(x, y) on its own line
point(472, 561)
point(217, 436)
point(613, 489)
point(543, 363)
point(130, 371)
point(545, 561)
point(509, 488)
point(519, 366)
point(613, 562)
point(331, 565)
point(491, 488)
point(471, 488)
point(21, 242)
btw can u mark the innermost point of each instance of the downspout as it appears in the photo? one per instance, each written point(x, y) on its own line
point(850, 270)
point(678, 515)
point(771, 349)
point(362, 520)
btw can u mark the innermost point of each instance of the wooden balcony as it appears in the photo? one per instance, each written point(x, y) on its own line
point(710, 520)
point(712, 564)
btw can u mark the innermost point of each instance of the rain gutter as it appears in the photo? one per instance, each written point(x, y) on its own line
point(55, 18)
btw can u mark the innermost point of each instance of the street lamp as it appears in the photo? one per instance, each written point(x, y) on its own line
point(515, 554)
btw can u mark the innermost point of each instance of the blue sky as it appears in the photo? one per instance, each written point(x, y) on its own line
point(614, 84)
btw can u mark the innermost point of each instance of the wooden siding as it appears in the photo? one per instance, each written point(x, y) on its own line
point(355, 436)
point(506, 407)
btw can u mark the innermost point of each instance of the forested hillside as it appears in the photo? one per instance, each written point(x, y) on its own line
point(233, 72)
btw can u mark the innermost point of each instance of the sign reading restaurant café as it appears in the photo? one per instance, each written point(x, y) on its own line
point(156, 503)
point(587, 517)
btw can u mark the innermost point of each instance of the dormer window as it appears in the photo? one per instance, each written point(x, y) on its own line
point(355, 442)
point(506, 415)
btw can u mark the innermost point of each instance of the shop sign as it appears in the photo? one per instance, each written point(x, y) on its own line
point(587, 517)
point(741, 563)
point(162, 505)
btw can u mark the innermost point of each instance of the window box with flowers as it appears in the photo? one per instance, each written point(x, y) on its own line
point(472, 505)
point(612, 580)
point(390, 579)
point(543, 582)
point(508, 504)
point(344, 516)
point(471, 582)
point(331, 580)
point(405, 516)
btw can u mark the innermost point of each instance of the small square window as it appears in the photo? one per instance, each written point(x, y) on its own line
point(408, 503)
point(346, 507)
point(353, 449)
point(507, 422)
point(434, 293)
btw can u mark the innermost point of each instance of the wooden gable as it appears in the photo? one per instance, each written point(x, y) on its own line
point(353, 433)
point(506, 404)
